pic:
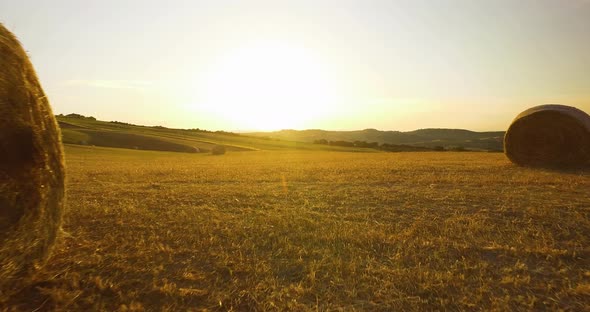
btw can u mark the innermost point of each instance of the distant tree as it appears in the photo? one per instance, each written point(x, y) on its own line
point(121, 123)
point(342, 143)
point(365, 144)
point(439, 148)
point(403, 148)
point(321, 141)
point(78, 116)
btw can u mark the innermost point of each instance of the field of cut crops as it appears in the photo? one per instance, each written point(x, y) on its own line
point(315, 230)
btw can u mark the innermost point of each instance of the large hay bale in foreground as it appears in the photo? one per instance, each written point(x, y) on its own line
point(31, 168)
point(549, 136)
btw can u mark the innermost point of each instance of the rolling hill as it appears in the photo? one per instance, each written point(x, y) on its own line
point(81, 130)
point(447, 138)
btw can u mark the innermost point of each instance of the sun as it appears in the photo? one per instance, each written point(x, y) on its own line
point(268, 86)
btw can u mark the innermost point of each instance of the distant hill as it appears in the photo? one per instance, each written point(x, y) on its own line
point(431, 138)
point(83, 130)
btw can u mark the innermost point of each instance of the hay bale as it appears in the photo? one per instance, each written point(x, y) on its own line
point(31, 169)
point(549, 136)
point(218, 150)
point(195, 150)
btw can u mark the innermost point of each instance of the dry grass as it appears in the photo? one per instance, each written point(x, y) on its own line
point(316, 231)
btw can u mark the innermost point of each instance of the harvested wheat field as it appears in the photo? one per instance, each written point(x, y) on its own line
point(315, 230)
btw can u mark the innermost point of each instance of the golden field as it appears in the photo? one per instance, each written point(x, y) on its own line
point(315, 230)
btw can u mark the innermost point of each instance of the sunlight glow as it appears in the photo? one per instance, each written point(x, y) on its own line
point(267, 86)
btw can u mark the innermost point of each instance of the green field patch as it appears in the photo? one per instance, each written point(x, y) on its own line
point(123, 140)
point(84, 131)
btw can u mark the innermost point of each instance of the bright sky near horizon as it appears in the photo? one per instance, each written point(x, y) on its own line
point(331, 64)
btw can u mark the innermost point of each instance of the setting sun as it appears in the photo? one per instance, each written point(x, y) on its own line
point(267, 85)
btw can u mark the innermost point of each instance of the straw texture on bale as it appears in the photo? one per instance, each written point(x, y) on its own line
point(31, 169)
point(549, 136)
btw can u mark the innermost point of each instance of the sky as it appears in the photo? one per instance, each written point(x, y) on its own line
point(302, 64)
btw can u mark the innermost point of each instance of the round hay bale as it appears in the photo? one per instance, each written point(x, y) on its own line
point(549, 136)
point(31, 169)
point(218, 150)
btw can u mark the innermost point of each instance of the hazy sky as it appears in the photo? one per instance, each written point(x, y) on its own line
point(331, 64)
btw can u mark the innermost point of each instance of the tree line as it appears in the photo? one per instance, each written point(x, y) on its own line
point(386, 146)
